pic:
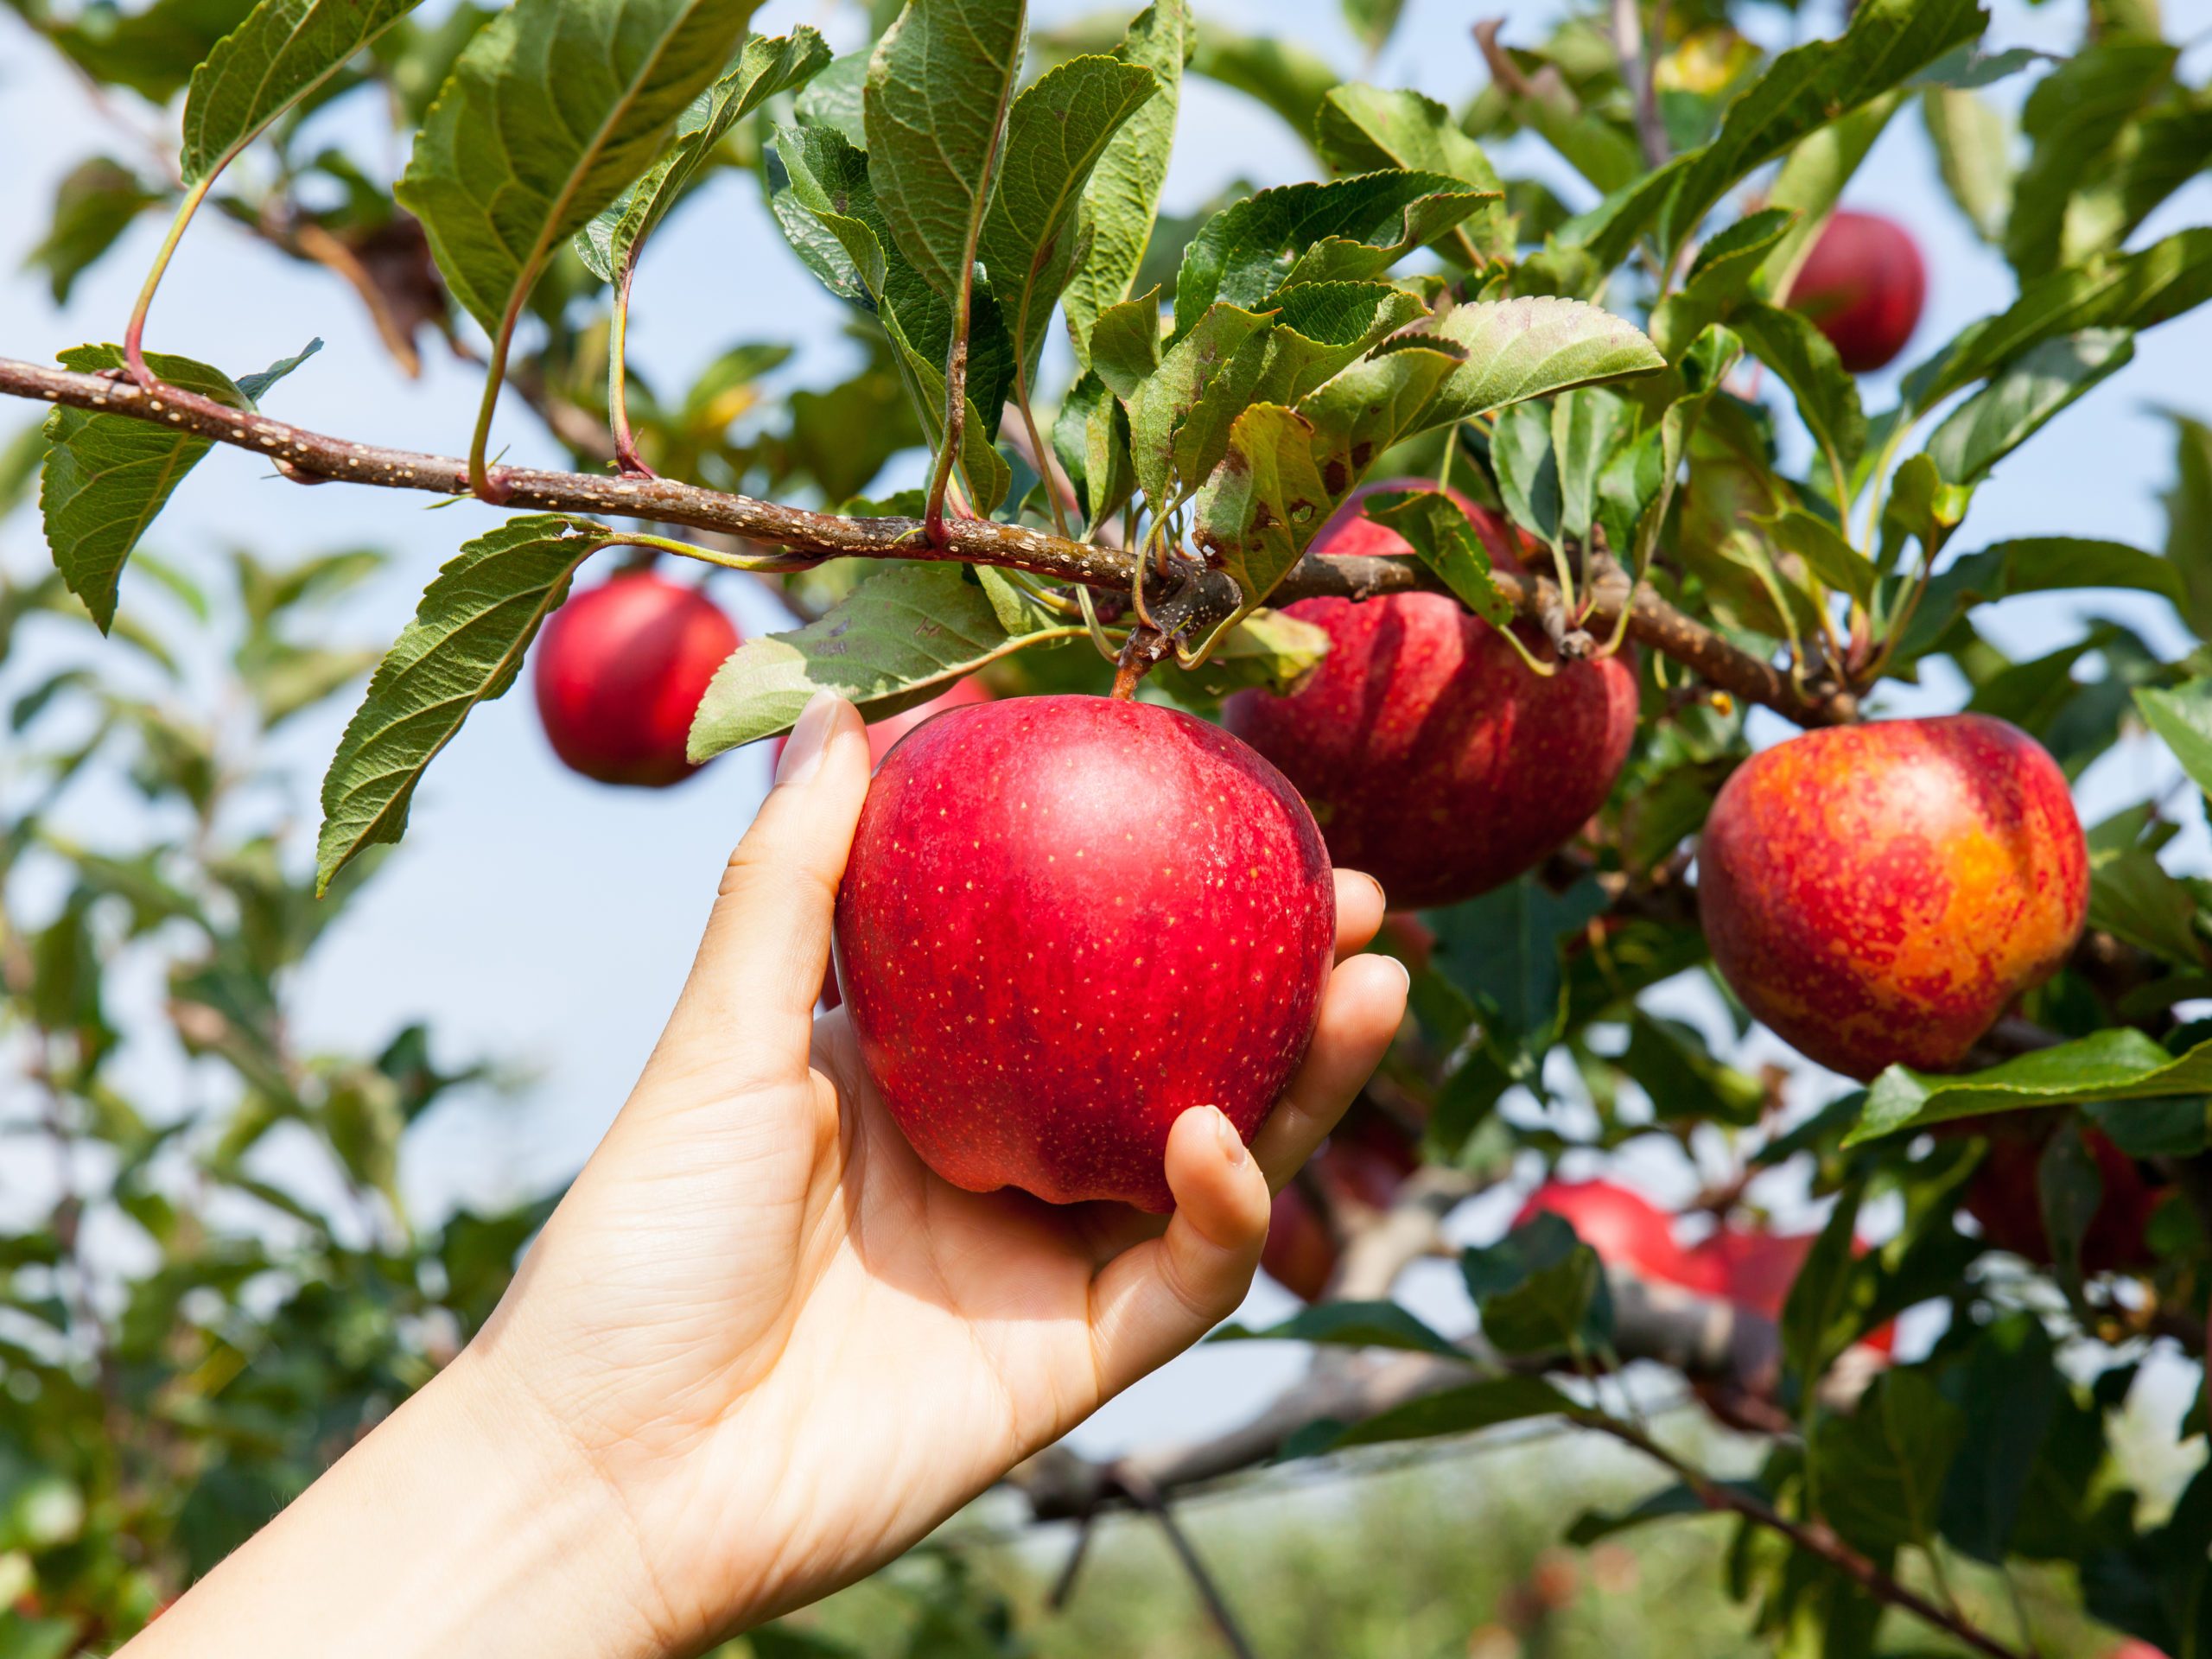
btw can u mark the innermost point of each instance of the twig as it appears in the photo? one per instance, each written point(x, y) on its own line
point(314, 457)
point(1147, 1497)
point(1638, 69)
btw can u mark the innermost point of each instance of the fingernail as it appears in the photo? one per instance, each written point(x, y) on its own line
point(1232, 1144)
point(810, 736)
point(1381, 898)
point(1404, 973)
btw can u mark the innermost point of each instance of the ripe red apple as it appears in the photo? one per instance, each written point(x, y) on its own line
point(1755, 1269)
point(2005, 1197)
point(1067, 919)
point(620, 670)
point(1878, 894)
point(1626, 1228)
point(882, 734)
point(1360, 1166)
point(1862, 285)
point(1434, 758)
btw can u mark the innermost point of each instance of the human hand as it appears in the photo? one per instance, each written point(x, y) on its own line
point(761, 1348)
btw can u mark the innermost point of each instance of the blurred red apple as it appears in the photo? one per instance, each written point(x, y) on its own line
point(620, 670)
point(1626, 1228)
point(1360, 1166)
point(1434, 758)
point(1862, 285)
point(1755, 1269)
point(1066, 920)
point(1878, 894)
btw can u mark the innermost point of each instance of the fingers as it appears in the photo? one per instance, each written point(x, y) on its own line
point(1157, 1298)
point(748, 1010)
point(1359, 911)
point(1360, 1012)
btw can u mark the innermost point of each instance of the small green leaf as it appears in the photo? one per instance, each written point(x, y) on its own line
point(1366, 130)
point(1819, 1320)
point(278, 55)
point(1123, 198)
point(2021, 401)
point(1462, 1410)
point(939, 85)
point(1034, 237)
point(465, 646)
point(1527, 468)
point(1827, 555)
point(1350, 1324)
point(764, 68)
point(107, 477)
point(96, 202)
point(2182, 718)
point(2073, 115)
point(552, 109)
point(2120, 1063)
point(1251, 248)
point(1883, 1465)
point(1518, 349)
point(1721, 276)
point(1443, 538)
point(1973, 141)
point(894, 642)
point(1124, 347)
point(1540, 1290)
point(1804, 360)
point(1372, 20)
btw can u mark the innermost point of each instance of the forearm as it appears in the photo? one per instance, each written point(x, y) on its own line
point(464, 1523)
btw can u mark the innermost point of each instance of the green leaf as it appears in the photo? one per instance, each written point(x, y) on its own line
point(2021, 401)
point(152, 50)
point(1123, 198)
point(1443, 539)
point(1802, 90)
point(2073, 115)
point(1168, 395)
point(1883, 1466)
point(1272, 651)
point(1540, 1290)
point(1527, 468)
point(1721, 276)
point(1585, 427)
point(2189, 520)
point(107, 476)
point(894, 642)
point(766, 67)
point(551, 110)
point(1502, 949)
point(2133, 290)
point(939, 86)
point(2011, 1380)
point(2183, 719)
point(1670, 1061)
point(96, 202)
point(1827, 555)
point(833, 99)
point(1790, 344)
point(1518, 349)
point(2154, 156)
point(1251, 248)
point(1462, 1410)
point(1819, 1320)
point(2037, 564)
point(1361, 413)
point(1125, 344)
point(1035, 236)
point(278, 55)
point(1350, 1324)
point(1365, 129)
point(465, 646)
point(1263, 502)
point(2120, 1063)
point(1372, 20)
point(256, 385)
point(1973, 141)
point(1092, 436)
point(2131, 897)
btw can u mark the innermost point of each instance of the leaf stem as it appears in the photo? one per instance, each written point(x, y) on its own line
point(134, 332)
point(955, 413)
point(479, 477)
point(618, 375)
point(1037, 448)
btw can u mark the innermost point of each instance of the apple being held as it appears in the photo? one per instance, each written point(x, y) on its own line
point(1626, 1228)
point(1359, 1167)
point(1433, 757)
point(1065, 920)
point(1862, 285)
point(620, 670)
point(1878, 894)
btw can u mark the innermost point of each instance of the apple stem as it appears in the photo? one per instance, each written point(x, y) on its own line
point(1145, 646)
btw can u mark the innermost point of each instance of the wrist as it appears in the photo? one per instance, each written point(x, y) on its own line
point(467, 1522)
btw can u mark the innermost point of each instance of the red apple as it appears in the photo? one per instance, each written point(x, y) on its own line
point(1755, 1269)
point(1433, 757)
point(1626, 1228)
point(1878, 894)
point(1862, 285)
point(2005, 1197)
point(882, 734)
point(1065, 921)
point(620, 670)
point(1360, 1166)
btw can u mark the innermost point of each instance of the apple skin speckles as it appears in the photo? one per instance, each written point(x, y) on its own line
point(1051, 940)
point(1879, 895)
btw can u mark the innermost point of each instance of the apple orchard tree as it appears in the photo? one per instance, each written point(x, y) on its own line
point(1628, 489)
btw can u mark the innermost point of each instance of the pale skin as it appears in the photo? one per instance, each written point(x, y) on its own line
point(760, 1348)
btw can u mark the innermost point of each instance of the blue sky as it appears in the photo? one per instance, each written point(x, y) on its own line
point(547, 922)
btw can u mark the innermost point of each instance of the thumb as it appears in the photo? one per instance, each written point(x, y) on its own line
point(747, 1012)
